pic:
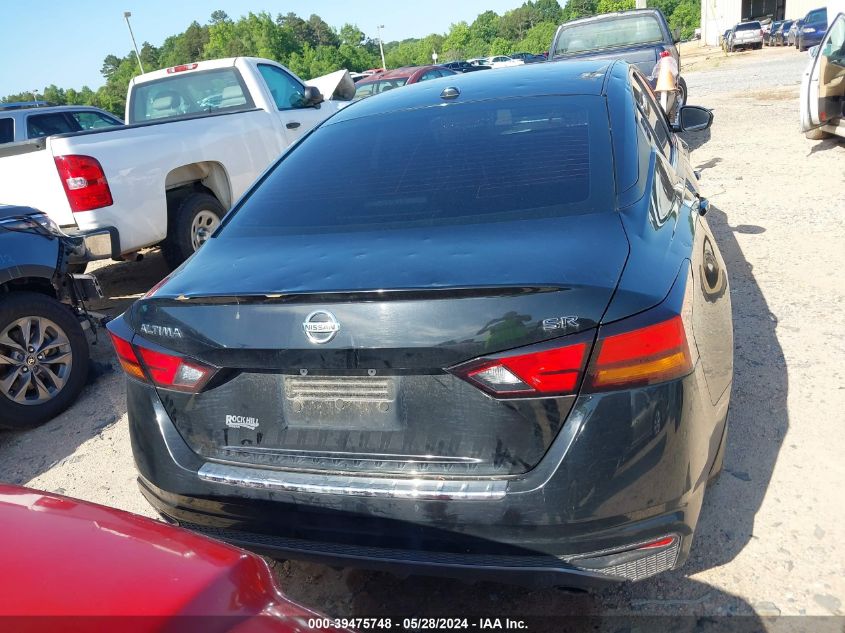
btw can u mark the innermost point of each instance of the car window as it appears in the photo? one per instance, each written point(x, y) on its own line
point(749, 26)
point(664, 198)
point(287, 92)
point(431, 74)
point(185, 94)
point(390, 84)
point(93, 120)
point(467, 163)
point(7, 130)
point(653, 114)
point(609, 33)
point(364, 90)
point(40, 125)
point(833, 52)
point(819, 15)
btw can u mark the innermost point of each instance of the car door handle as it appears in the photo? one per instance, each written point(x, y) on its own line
point(292, 125)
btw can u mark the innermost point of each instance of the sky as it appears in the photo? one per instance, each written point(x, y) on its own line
point(57, 42)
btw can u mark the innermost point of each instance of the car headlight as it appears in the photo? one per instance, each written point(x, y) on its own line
point(25, 222)
point(809, 29)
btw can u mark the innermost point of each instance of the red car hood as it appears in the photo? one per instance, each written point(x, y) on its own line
point(65, 557)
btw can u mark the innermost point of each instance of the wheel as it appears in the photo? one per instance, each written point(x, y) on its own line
point(817, 134)
point(190, 224)
point(43, 359)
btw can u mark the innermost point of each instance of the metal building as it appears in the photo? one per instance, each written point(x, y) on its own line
point(717, 16)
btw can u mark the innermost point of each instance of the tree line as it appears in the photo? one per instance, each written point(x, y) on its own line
point(312, 47)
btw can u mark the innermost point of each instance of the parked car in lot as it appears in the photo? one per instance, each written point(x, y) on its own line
point(638, 37)
point(813, 28)
point(745, 35)
point(769, 32)
point(780, 37)
point(528, 58)
point(464, 67)
point(462, 365)
point(502, 61)
point(74, 562)
point(22, 121)
point(792, 36)
point(198, 135)
point(399, 77)
point(724, 39)
point(823, 84)
point(43, 348)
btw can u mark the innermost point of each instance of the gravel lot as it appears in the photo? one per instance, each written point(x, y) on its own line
point(771, 536)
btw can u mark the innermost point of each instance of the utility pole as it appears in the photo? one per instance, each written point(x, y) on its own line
point(641, 4)
point(126, 16)
point(381, 46)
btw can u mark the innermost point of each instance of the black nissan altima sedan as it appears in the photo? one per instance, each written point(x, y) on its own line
point(475, 327)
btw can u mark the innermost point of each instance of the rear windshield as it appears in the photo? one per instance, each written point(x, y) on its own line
point(189, 93)
point(749, 26)
point(628, 30)
point(468, 163)
point(375, 87)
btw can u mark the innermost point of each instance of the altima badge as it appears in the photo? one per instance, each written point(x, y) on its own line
point(320, 326)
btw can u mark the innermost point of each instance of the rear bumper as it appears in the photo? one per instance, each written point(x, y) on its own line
point(615, 477)
point(95, 244)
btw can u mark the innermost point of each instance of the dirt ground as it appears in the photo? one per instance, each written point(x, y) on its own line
point(771, 540)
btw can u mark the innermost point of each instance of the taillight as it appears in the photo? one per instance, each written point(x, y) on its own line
point(181, 68)
point(652, 347)
point(127, 357)
point(644, 356)
point(84, 182)
point(161, 368)
point(546, 372)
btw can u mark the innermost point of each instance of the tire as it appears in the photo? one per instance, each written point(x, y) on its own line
point(59, 383)
point(719, 459)
point(817, 134)
point(189, 225)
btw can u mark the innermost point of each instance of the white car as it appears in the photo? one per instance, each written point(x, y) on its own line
point(197, 136)
point(823, 85)
point(502, 61)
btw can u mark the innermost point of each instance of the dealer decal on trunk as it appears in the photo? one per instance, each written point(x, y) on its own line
point(241, 422)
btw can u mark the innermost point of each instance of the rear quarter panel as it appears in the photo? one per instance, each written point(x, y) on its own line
point(29, 177)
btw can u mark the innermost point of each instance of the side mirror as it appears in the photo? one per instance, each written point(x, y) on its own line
point(814, 51)
point(311, 97)
point(693, 119)
point(676, 34)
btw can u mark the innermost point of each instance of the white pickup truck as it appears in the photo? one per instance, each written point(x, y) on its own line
point(197, 136)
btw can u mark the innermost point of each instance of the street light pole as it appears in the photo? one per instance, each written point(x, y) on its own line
point(126, 16)
point(381, 46)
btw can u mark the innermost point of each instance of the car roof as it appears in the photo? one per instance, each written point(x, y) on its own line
point(61, 108)
point(398, 73)
point(608, 16)
point(552, 78)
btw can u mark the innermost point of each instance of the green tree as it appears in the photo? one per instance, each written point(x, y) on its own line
point(539, 38)
point(578, 9)
point(608, 6)
point(687, 17)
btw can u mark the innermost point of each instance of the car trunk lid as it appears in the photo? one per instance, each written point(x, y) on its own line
point(376, 395)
